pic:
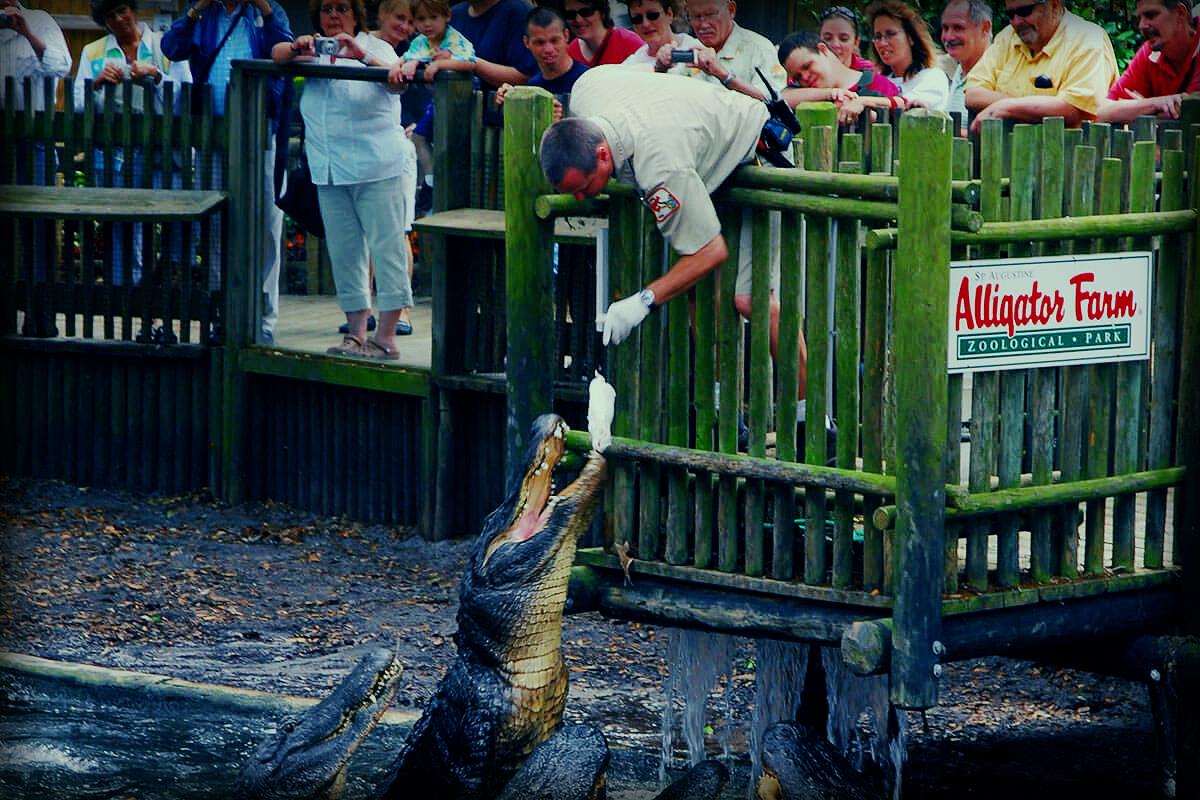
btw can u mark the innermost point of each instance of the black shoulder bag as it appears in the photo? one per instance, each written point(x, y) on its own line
point(299, 200)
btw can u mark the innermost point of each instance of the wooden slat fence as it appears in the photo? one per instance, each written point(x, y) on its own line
point(1052, 476)
point(107, 279)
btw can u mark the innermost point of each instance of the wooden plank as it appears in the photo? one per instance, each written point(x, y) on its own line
point(481, 223)
point(105, 204)
point(649, 338)
point(875, 324)
point(1128, 412)
point(1101, 393)
point(1168, 289)
point(1073, 398)
point(922, 273)
point(729, 371)
point(791, 309)
point(760, 385)
point(679, 374)
point(624, 253)
point(708, 317)
point(847, 318)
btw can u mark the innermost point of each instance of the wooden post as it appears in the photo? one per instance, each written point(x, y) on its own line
point(453, 97)
point(529, 279)
point(922, 278)
point(247, 129)
point(1187, 528)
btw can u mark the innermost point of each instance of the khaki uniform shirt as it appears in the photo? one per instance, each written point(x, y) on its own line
point(675, 139)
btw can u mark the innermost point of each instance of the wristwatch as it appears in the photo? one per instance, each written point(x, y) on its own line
point(647, 297)
point(729, 78)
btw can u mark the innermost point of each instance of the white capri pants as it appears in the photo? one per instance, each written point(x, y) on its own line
point(361, 219)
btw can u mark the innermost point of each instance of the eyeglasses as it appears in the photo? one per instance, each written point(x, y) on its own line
point(1023, 11)
point(585, 12)
point(636, 19)
point(840, 11)
point(340, 8)
point(882, 35)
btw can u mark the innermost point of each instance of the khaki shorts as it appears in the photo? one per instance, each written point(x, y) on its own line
point(746, 255)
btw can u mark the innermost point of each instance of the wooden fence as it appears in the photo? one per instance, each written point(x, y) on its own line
point(105, 278)
point(1070, 482)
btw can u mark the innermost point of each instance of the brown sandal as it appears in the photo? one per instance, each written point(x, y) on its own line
point(350, 346)
point(374, 350)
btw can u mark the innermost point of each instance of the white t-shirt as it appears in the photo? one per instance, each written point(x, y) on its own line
point(353, 132)
point(673, 138)
point(930, 85)
point(643, 57)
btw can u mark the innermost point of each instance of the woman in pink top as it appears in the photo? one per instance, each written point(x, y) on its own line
point(839, 32)
point(596, 41)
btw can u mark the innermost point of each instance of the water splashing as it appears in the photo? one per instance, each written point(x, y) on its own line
point(698, 660)
point(778, 683)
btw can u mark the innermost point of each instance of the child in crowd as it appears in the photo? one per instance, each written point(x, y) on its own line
point(439, 45)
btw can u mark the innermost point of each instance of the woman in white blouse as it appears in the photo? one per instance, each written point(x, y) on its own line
point(361, 162)
point(654, 21)
point(906, 53)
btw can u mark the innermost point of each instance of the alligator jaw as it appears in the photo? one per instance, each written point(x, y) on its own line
point(534, 507)
point(307, 755)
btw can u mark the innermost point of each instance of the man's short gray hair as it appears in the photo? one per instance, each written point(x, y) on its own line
point(569, 143)
point(978, 11)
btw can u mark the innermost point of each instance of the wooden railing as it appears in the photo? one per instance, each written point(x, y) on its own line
point(1063, 483)
point(105, 277)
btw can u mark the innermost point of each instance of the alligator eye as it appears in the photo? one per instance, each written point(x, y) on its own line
point(288, 725)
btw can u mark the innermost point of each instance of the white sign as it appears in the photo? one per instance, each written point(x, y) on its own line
point(1015, 313)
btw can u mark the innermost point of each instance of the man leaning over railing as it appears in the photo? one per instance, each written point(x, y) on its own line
point(625, 126)
point(1164, 68)
point(211, 36)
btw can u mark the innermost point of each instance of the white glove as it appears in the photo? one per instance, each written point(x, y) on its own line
point(622, 317)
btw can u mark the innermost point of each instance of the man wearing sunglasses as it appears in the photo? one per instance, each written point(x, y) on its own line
point(210, 36)
point(1164, 68)
point(1046, 63)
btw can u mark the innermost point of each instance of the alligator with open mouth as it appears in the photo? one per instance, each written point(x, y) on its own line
point(494, 726)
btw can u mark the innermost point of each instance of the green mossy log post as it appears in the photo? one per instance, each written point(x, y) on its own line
point(529, 284)
point(922, 275)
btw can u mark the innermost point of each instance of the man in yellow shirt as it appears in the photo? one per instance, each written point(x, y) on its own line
point(1046, 63)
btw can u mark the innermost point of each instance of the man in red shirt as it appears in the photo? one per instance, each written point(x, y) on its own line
point(1164, 68)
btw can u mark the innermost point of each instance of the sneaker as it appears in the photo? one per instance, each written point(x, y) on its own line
point(344, 328)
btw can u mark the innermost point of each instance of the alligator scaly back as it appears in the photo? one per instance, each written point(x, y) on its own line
point(505, 691)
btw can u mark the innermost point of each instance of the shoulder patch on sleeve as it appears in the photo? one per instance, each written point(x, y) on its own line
point(662, 204)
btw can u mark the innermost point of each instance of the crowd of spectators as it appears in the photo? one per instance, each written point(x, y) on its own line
point(1045, 62)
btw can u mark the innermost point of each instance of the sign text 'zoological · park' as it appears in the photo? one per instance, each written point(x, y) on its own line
point(1015, 313)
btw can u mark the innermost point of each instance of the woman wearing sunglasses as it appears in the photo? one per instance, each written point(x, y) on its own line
point(364, 168)
point(653, 20)
point(839, 32)
point(597, 41)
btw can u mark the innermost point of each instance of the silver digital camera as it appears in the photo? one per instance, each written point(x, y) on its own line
point(326, 46)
